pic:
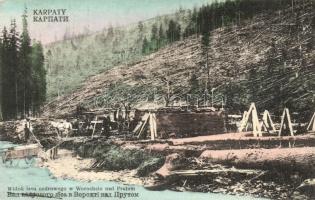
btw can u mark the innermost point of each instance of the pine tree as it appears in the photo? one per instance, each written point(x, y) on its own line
point(194, 84)
point(12, 72)
point(204, 17)
point(205, 43)
point(25, 76)
point(173, 32)
point(193, 21)
point(154, 38)
point(145, 46)
point(161, 40)
point(1, 79)
point(4, 73)
point(38, 77)
point(140, 27)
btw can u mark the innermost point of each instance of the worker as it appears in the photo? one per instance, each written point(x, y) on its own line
point(67, 128)
point(27, 133)
point(27, 130)
point(106, 126)
point(128, 109)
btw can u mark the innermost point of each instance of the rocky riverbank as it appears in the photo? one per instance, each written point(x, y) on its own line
point(79, 169)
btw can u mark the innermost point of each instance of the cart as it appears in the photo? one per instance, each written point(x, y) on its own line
point(26, 152)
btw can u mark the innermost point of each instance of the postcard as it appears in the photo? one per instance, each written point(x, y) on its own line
point(156, 99)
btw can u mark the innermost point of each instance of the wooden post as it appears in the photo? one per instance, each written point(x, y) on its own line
point(267, 122)
point(151, 127)
point(155, 125)
point(243, 122)
point(255, 121)
point(311, 125)
point(94, 127)
point(145, 119)
point(286, 116)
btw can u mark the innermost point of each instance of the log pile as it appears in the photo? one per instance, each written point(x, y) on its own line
point(301, 160)
point(8, 131)
point(190, 123)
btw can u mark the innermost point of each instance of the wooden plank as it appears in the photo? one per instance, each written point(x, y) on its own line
point(96, 122)
point(154, 125)
point(289, 122)
point(286, 117)
point(145, 117)
point(255, 120)
point(94, 128)
point(244, 121)
point(151, 127)
point(137, 128)
point(267, 121)
point(311, 124)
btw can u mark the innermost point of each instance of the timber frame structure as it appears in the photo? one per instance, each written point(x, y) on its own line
point(252, 112)
point(267, 123)
point(286, 122)
point(178, 122)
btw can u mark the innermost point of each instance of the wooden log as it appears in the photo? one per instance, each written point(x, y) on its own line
point(296, 159)
point(206, 172)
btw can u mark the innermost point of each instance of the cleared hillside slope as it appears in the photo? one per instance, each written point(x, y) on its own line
point(71, 61)
point(234, 52)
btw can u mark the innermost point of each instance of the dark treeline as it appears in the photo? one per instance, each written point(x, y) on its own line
point(22, 73)
point(161, 36)
point(216, 15)
point(207, 18)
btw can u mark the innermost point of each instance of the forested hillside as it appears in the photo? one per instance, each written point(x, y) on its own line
point(243, 51)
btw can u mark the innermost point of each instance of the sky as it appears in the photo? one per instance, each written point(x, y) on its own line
point(94, 15)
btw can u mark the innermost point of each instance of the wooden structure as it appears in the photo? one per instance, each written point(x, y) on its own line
point(95, 123)
point(252, 112)
point(21, 152)
point(311, 125)
point(286, 123)
point(148, 122)
point(170, 122)
point(267, 123)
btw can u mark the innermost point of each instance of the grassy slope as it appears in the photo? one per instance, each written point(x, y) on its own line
point(234, 50)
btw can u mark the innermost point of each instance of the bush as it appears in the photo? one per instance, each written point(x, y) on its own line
point(150, 165)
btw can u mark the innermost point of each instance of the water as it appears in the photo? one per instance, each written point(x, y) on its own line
point(24, 175)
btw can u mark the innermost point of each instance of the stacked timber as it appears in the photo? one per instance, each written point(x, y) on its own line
point(184, 124)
